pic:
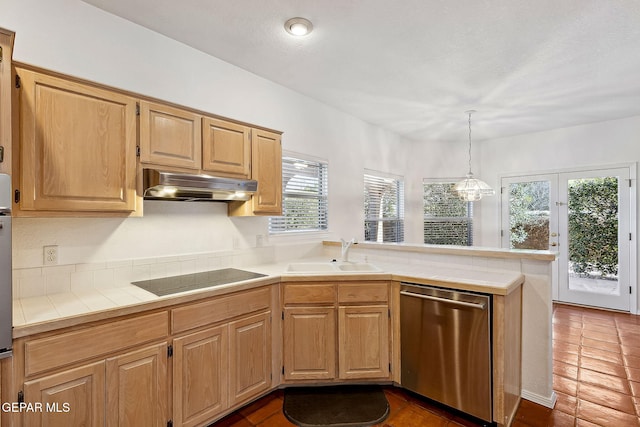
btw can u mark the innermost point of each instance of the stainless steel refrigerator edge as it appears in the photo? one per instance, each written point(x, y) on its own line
point(6, 303)
point(445, 339)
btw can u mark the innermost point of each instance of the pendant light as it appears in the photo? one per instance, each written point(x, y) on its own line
point(472, 189)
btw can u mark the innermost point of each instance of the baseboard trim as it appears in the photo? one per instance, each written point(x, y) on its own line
point(549, 402)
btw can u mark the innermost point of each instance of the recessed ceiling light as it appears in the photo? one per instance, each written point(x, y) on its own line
point(298, 26)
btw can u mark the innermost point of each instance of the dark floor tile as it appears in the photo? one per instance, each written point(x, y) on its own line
point(633, 374)
point(532, 414)
point(601, 336)
point(566, 403)
point(592, 327)
point(621, 385)
point(604, 416)
point(561, 419)
point(631, 361)
point(565, 370)
point(584, 423)
point(610, 355)
point(565, 347)
point(233, 420)
point(603, 366)
point(605, 397)
point(276, 420)
point(411, 416)
point(567, 358)
point(601, 345)
point(262, 409)
point(631, 350)
point(565, 385)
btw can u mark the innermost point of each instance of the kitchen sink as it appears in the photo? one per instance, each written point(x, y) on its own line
point(329, 267)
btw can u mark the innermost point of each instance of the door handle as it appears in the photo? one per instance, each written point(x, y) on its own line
point(553, 244)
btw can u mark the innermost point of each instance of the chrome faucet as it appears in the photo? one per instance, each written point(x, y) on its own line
point(345, 249)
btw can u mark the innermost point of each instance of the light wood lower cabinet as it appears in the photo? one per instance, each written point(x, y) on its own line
point(137, 388)
point(363, 335)
point(200, 380)
point(75, 397)
point(126, 390)
point(249, 357)
point(309, 343)
point(341, 335)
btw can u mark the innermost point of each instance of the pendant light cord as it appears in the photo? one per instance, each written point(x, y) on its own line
point(470, 112)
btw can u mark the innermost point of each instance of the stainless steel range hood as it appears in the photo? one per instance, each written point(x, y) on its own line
point(160, 185)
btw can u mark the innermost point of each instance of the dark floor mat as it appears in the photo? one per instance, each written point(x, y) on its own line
point(335, 406)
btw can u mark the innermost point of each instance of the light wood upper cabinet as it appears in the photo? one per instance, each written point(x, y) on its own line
point(226, 148)
point(266, 155)
point(170, 136)
point(6, 128)
point(266, 168)
point(77, 146)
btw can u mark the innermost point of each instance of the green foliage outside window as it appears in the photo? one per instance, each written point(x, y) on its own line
point(593, 226)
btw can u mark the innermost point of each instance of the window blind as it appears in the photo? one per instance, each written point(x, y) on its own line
point(447, 219)
point(383, 208)
point(304, 196)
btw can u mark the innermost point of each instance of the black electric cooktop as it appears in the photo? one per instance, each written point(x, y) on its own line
point(189, 282)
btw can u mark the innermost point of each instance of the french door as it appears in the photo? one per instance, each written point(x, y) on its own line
point(584, 216)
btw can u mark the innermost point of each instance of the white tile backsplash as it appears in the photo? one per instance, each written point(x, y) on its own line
point(75, 278)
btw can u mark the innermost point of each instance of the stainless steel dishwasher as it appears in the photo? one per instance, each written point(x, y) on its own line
point(446, 347)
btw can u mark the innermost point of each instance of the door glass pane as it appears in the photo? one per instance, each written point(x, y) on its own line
point(529, 215)
point(593, 235)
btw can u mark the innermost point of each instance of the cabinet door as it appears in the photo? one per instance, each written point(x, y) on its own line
point(309, 343)
point(249, 357)
point(226, 148)
point(363, 342)
point(266, 168)
point(200, 382)
point(137, 388)
point(170, 136)
point(77, 146)
point(71, 398)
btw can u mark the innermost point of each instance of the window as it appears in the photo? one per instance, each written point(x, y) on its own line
point(383, 207)
point(304, 196)
point(447, 219)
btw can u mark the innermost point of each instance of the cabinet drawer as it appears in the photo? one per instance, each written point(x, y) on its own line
point(219, 309)
point(363, 292)
point(71, 347)
point(317, 293)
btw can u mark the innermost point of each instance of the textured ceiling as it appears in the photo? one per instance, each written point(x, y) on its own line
point(415, 66)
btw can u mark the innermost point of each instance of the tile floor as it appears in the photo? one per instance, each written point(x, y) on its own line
point(596, 365)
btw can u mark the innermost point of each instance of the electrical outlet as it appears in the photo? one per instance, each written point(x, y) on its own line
point(50, 254)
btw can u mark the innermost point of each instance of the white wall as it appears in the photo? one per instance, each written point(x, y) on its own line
point(74, 38)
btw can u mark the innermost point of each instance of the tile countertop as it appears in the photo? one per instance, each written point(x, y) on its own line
point(54, 311)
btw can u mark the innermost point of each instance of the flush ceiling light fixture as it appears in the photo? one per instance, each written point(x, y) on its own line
point(471, 189)
point(298, 26)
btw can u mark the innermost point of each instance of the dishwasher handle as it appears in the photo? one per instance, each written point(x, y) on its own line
point(479, 306)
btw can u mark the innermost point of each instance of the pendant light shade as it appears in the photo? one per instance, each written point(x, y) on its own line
point(472, 189)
